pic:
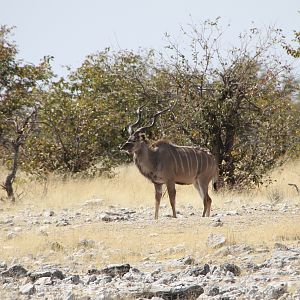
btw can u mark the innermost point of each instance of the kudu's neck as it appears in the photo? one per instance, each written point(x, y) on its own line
point(145, 157)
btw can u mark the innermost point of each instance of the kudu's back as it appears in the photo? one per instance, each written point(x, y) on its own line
point(184, 164)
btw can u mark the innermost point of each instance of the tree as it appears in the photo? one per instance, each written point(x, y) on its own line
point(82, 118)
point(23, 127)
point(21, 85)
point(237, 102)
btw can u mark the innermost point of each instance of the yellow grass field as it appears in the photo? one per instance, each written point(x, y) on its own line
point(141, 239)
point(130, 188)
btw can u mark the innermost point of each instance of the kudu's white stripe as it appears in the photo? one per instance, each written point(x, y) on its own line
point(192, 163)
point(206, 161)
point(175, 161)
point(187, 159)
point(200, 165)
point(210, 161)
point(196, 158)
point(181, 162)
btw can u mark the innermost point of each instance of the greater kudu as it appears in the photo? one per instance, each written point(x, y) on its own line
point(166, 163)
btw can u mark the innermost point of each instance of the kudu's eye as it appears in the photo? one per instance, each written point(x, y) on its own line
point(133, 140)
point(142, 136)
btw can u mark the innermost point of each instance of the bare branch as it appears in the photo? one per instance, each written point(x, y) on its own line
point(295, 186)
point(154, 118)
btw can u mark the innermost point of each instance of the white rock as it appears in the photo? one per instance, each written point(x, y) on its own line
point(11, 235)
point(276, 291)
point(44, 281)
point(94, 202)
point(27, 289)
point(48, 213)
point(215, 240)
point(69, 296)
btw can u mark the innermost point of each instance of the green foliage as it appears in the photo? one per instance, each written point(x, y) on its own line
point(21, 86)
point(295, 52)
point(82, 119)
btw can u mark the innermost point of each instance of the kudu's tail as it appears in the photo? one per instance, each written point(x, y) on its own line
point(215, 181)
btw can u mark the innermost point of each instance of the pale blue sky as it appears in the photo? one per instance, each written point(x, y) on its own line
point(71, 29)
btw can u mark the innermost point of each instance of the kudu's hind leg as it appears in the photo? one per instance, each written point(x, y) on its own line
point(208, 203)
point(172, 195)
point(158, 194)
point(202, 189)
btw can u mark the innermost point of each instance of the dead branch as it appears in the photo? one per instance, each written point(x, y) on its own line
point(295, 186)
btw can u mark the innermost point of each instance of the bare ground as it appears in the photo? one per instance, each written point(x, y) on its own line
point(258, 233)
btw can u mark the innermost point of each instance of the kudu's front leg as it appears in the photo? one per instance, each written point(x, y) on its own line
point(158, 194)
point(172, 195)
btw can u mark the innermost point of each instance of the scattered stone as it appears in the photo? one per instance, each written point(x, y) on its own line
point(153, 235)
point(69, 296)
point(3, 265)
point(48, 213)
point(62, 222)
point(199, 271)
point(106, 279)
point(214, 291)
point(94, 202)
point(187, 260)
point(11, 235)
point(87, 243)
point(74, 279)
point(106, 218)
point(52, 273)
point(27, 289)
point(17, 229)
point(43, 232)
point(217, 222)
point(232, 213)
point(175, 249)
point(92, 278)
point(94, 271)
point(276, 291)
point(115, 216)
point(234, 269)
point(281, 247)
point(16, 271)
point(215, 240)
point(44, 281)
point(262, 249)
point(164, 292)
point(55, 246)
point(116, 270)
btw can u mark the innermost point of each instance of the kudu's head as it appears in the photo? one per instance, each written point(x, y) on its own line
point(137, 137)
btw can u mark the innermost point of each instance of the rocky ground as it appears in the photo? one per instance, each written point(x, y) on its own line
point(226, 268)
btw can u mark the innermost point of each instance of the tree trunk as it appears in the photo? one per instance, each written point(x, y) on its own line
point(8, 185)
point(217, 151)
point(229, 166)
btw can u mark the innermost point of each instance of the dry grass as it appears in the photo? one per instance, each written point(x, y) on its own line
point(157, 240)
point(130, 189)
point(116, 243)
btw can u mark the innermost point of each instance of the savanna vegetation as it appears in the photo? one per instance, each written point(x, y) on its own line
point(241, 102)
